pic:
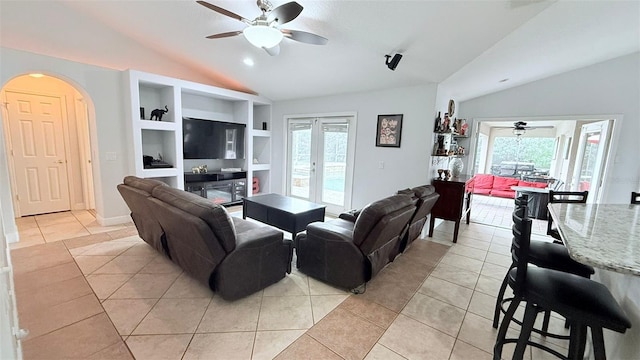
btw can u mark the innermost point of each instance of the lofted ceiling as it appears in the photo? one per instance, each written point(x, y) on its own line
point(465, 46)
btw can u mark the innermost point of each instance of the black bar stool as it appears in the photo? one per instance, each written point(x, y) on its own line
point(563, 197)
point(635, 197)
point(546, 255)
point(583, 302)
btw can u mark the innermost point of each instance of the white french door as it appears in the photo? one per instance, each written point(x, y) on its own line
point(320, 153)
point(591, 159)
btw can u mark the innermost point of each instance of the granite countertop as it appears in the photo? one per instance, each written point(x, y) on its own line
point(605, 236)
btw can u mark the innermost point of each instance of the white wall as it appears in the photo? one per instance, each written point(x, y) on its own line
point(103, 90)
point(404, 167)
point(608, 88)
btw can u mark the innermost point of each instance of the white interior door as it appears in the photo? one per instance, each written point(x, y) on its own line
point(39, 160)
point(320, 160)
point(590, 161)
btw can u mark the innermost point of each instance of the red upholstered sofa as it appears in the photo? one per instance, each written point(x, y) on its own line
point(487, 184)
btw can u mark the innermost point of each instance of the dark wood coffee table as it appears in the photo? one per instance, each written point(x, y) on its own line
point(285, 213)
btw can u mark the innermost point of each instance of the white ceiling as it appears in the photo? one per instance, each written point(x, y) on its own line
point(466, 46)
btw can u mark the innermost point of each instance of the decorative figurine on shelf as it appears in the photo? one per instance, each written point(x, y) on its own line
point(460, 150)
point(446, 125)
point(457, 126)
point(463, 127)
point(440, 149)
point(438, 125)
point(157, 113)
point(440, 171)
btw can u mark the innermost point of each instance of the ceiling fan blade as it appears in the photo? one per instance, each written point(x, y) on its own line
point(224, 35)
point(533, 127)
point(273, 51)
point(223, 11)
point(285, 13)
point(305, 37)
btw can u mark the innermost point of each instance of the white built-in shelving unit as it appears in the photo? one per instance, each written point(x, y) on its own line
point(190, 99)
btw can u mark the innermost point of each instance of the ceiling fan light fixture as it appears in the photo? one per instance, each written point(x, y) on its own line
point(263, 36)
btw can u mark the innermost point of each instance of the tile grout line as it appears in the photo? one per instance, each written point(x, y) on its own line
point(396, 313)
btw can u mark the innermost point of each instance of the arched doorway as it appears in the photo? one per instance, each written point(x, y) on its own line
point(47, 136)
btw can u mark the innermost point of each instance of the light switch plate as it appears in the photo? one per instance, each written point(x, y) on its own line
point(111, 156)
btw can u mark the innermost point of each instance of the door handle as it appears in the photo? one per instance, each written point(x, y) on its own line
point(60, 162)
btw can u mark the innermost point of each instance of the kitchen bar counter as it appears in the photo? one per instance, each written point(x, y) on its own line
point(605, 236)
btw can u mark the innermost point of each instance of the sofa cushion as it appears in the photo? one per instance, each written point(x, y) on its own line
point(406, 191)
point(503, 184)
point(372, 213)
point(503, 193)
point(424, 190)
point(482, 191)
point(483, 182)
point(214, 215)
point(534, 184)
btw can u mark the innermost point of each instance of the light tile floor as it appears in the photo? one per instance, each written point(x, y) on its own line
point(106, 294)
point(496, 211)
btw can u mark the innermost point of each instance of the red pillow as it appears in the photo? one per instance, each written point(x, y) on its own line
point(504, 184)
point(483, 181)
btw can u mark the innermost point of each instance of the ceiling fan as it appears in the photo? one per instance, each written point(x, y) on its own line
point(520, 127)
point(264, 32)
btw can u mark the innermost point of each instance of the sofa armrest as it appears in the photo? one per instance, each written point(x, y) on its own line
point(258, 237)
point(326, 252)
point(261, 257)
point(351, 215)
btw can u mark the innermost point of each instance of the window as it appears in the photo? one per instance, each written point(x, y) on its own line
point(537, 151)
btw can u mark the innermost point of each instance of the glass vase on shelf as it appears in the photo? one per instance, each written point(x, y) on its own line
point(456, 165)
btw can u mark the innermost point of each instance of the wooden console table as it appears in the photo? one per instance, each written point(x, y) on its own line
point(454, 202)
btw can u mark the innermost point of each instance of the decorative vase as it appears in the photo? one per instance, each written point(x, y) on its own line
point(456, 165)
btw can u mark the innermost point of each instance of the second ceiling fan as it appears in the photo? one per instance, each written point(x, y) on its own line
point(263, 32)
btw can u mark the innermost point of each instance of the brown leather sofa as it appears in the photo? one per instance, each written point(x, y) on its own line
point(348, 251)
point(426, 197)
point(234, 257)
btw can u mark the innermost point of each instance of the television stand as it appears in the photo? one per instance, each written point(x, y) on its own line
point(221, 188)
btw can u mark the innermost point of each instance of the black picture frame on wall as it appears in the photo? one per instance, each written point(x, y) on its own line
point(389, 130)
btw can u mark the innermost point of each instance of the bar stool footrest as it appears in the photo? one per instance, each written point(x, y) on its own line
point(535, 330)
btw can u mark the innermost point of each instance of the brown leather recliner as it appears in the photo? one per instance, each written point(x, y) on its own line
point(349, 253)
point(136, 193)
point(234, 257)
point(426, 196)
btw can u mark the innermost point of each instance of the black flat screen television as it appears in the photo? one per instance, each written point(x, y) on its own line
point(209, 139)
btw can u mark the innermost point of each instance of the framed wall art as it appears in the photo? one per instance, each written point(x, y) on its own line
point(389, 130)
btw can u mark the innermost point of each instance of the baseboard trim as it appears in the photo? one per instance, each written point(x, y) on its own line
point(116, 220)
point(12, 237)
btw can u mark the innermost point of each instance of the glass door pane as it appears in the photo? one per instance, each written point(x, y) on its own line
point(588, 162)
point(334, 164)
point(591, 159)
point(300, 161)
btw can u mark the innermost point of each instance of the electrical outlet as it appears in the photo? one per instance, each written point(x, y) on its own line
point(381, 165)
